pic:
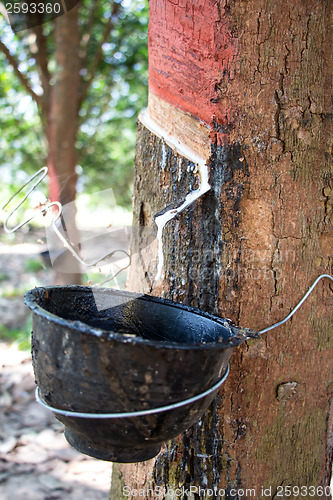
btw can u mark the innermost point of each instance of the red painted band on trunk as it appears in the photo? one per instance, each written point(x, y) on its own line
point(190, 52)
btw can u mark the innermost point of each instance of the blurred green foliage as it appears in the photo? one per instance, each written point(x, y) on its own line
point(106, 138)
point(21, 337)
point(33, 265)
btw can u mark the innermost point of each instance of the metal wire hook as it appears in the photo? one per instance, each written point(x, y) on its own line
point(298, 305)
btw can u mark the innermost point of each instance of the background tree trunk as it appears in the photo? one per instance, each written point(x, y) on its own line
point(62, 108)
point(249, 248)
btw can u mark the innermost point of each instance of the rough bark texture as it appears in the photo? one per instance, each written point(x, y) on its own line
point(248, 250)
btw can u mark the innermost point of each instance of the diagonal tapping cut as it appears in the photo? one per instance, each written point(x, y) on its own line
point(162, 219)
point(164, 216)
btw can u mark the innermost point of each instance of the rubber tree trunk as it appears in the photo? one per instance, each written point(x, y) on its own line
point(61, 128)
point(258, 75)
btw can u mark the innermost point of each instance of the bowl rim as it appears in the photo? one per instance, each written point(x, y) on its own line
point(238, 335)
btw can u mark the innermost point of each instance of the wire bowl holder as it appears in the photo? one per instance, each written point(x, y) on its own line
point(128, 359)
point(125, 419)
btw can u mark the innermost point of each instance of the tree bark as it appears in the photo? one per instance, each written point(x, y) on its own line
point(248, 250)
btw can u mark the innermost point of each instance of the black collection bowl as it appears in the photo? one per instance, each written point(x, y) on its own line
point(105, 351)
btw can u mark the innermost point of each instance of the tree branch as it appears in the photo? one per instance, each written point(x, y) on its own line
point(23, 79)
point(99, 53)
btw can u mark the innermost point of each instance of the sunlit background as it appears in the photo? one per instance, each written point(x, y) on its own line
point(106, 139)
point(105, 142)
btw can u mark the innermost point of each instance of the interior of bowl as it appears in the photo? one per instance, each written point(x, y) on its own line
point(143, 316)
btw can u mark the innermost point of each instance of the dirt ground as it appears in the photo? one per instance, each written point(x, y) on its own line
point(36, 462)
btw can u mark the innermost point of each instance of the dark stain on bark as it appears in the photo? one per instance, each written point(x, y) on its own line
point(194, 269)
